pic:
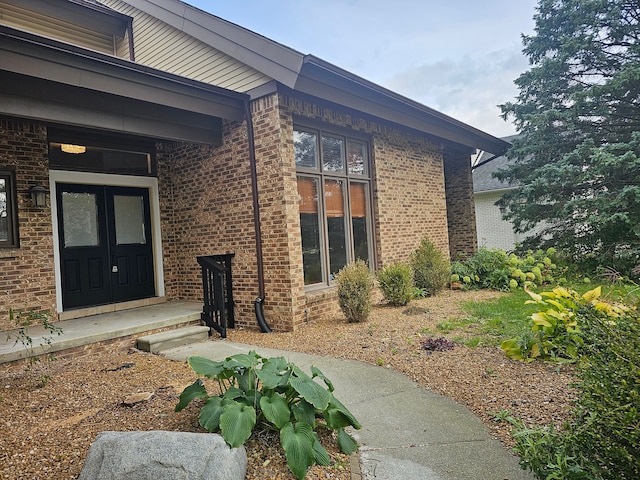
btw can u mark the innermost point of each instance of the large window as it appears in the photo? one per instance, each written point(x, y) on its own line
point(333, 194)
point(9, 237)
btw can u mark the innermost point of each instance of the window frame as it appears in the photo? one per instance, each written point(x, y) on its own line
point(13, 237)
point(321, 176)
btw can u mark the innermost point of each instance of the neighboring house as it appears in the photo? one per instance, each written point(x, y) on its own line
point(492, 230)
point(158, 133)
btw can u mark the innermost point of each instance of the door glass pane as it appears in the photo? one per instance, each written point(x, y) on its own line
point(310, 229)
point(80, 219)
point(334, 203)
point(358, 194)
point(306, 149)
point(129, 219)
point(4, 226)
point(356, 157)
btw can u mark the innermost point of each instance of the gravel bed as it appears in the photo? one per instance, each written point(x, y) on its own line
point(47, 427)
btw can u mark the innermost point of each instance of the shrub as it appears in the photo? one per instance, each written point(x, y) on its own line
point(495, 269)
point(396, 283)
point(603, 440)
point(272, 394)
point(555, 330)
point(431, 270)
point(355, 284)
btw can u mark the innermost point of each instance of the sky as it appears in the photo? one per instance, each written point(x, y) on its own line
point(459, 57)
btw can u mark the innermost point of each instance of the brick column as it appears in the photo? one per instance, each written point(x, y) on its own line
point(461, 212)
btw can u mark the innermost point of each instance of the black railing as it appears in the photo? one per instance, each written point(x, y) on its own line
point(217, 311)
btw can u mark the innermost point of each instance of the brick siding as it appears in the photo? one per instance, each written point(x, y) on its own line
point(206, 208)
point(27, 280)
point(461, 213)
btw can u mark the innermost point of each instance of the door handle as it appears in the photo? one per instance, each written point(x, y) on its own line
point(114, 269)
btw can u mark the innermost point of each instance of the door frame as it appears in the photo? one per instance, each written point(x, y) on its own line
point(111, 180)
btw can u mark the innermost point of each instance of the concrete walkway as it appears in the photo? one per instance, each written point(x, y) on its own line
point(408, 433)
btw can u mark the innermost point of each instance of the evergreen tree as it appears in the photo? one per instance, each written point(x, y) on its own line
point(577, 159)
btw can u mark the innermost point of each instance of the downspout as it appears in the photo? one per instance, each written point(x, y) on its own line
point(259, 302)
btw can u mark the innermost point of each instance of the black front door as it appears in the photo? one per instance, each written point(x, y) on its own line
point(105, 244)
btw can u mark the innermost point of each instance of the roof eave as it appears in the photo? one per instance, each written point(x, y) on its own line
point(322, 79)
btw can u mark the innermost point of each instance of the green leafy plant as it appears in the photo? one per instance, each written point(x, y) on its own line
point(355, 285)
point(555, 331)
point(602, 440)
point(271, 394)
point(495, 269)
point(431, 270)
point(24, 320)
point(396, 283)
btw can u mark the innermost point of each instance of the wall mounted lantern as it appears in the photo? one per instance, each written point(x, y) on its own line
point(39, 196)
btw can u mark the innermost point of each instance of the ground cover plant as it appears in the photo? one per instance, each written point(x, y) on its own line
point(270, 394)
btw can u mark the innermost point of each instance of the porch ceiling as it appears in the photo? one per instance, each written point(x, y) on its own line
point(55, 82)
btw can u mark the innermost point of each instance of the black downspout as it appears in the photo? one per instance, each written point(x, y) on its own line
point(259, 302)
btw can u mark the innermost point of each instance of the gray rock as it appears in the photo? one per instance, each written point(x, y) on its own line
point(160, 455)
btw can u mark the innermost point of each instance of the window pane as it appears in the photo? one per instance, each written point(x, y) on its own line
point(310, 229)
point(334, 211)
point(356, 157)
point(129, 219)
point(332, 154)
point(306, 149)
point(358, 193)
point(4, 218)
point(80, 219)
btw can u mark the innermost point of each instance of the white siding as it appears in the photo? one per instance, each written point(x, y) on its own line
point(493, 231)
point(39, 24)
point(161, 46)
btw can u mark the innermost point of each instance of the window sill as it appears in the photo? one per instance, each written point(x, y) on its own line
point(9, 252)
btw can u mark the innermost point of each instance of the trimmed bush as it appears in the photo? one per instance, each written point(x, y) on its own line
point(431, 270)
point(355, 284)
point(396, 283)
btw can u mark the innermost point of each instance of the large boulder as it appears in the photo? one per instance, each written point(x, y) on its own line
point(160, 455)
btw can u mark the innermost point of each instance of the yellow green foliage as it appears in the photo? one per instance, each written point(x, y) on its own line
point(555, 333)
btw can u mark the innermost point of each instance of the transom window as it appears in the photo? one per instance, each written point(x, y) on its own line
point(9, 237)
point(333, 195)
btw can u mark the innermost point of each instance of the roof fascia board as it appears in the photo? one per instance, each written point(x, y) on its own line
point(60, 63)
point(324, 80)
point(271, 58)
point(93, 16)
point(125, 121)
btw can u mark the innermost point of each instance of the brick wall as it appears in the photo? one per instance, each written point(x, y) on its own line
point(461, 214)
point(408, 190)
point(27, 273)
point(206, 205)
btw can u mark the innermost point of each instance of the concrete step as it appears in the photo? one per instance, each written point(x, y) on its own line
point(173, 338)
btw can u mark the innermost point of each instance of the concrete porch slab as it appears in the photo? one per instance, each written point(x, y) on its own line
point(98, 328)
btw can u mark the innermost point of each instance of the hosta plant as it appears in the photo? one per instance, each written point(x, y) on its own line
point(271, 394)
point(555, 333)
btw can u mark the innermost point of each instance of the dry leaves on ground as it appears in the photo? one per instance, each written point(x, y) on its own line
point(46, 430)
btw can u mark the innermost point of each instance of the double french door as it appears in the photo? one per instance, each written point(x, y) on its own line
point(106, 252)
